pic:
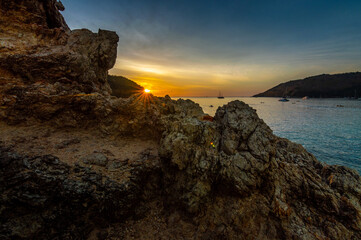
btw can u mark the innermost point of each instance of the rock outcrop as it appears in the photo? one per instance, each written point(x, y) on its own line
point(44, 198)
point(77, 163)
point(250, 184)
point(39, 53)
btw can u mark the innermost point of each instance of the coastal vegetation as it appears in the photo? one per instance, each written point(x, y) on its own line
point(123, 87)
point(343, 85)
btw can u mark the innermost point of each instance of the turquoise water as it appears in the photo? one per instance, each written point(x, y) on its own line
point(330, 132)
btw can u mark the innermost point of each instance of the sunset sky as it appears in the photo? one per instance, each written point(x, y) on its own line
point(200, 47)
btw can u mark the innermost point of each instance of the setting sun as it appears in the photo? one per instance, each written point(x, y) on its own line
point(146, 90)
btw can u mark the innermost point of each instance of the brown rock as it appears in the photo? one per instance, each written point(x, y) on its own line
point(40, 54)
point(229, 178)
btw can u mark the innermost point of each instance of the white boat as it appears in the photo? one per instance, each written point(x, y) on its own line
point(283, 99)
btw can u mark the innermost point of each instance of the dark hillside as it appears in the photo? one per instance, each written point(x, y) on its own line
point(123, 87)
point(325, 85)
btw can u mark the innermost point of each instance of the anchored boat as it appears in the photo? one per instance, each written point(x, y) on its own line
point(220, 96)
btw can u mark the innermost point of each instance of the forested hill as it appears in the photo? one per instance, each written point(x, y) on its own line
point(325, 85)
point(123, 87)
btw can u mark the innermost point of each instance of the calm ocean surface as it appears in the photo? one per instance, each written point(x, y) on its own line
point(331, 133)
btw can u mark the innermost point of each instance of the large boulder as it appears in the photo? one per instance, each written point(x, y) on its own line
point(38, 50)
point(234, 174)
point(46, 69)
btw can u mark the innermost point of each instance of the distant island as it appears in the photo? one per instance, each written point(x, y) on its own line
point(325, 86)
point(123, 87)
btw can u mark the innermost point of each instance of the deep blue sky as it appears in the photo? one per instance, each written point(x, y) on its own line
point(240, 47)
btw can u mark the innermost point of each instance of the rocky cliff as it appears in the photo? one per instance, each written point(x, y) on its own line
point(325, 85)
point(77, 163)
point(38, 50)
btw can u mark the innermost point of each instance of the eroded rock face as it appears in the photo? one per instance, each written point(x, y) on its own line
point(268, 187)
point(226, 177)
point(39, 53)
point(44, 198)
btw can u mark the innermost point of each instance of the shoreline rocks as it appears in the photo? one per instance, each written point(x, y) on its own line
point(44, 198)
point(227, 177)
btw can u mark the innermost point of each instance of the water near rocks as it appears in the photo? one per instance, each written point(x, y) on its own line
point(328, 128)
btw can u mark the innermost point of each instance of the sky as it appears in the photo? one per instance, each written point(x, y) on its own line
point(201, 47)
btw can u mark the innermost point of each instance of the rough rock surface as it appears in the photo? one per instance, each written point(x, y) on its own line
point(39, 53)
point(226, 177)
point(44, 198)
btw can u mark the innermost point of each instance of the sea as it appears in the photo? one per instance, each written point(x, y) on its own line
point(330, 129)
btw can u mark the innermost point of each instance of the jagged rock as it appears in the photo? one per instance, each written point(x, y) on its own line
point(115, 165)
point(44, 198)
point(226, 177)
point(95, 158)
point(67, 142)
point(269, 184)
point(59, 5)
point(250, 168)
point(39, 54)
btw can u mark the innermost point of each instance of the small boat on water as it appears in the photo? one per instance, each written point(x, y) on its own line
point(220, 96)
point(284, 99)
point(210, 105)
point(305, 98)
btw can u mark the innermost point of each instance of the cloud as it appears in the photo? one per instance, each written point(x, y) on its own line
point(240, 47)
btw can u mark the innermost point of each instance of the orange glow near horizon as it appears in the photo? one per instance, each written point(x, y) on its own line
point(150, 70)
point(192, 80)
